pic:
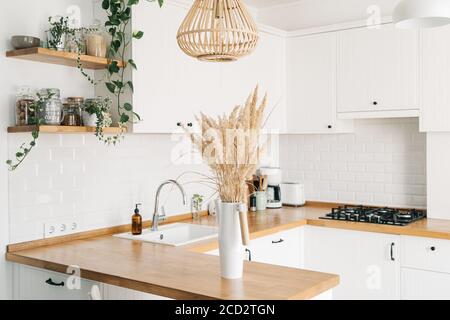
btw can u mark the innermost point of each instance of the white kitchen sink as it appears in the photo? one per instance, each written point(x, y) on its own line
point(176, 234)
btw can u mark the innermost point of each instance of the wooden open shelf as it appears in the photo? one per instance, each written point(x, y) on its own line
point(60, 57)
point(63, 129)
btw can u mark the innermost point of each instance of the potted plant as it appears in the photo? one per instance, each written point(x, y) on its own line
point(57, 34)
point(230, 145)
point(197, 203)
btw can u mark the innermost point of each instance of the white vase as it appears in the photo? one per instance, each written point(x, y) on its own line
point(230, 241)
point(89, 120)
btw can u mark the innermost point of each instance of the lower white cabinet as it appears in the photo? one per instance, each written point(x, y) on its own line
point(118, 293)
point(37, 284)
point(424, 285)
point(367, 263)
point(283, 249)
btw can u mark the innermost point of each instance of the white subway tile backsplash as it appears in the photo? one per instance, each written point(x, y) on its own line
point(382, 163)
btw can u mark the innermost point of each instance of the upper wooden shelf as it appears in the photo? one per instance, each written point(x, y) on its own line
point(60, 57)
point(63, 129)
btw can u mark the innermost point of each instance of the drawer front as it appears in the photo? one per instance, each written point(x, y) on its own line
point(424, 285)
point(426, 253)
point(38, 284)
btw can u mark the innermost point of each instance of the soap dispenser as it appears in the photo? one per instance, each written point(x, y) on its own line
point(136, 222)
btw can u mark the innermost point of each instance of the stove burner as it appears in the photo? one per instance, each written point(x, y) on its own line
point(389, 216)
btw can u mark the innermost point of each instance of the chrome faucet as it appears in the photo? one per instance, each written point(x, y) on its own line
point(161, 216)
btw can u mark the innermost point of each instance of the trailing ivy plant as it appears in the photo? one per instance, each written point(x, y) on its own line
point(58, 30)
point(24, 150)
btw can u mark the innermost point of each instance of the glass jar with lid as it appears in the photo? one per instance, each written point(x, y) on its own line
point(72, 111)
point(52, 108)
point(25, 106)
point(96, 41)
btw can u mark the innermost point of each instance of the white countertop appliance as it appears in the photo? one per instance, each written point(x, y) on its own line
point(274, 187)
point(293, 194)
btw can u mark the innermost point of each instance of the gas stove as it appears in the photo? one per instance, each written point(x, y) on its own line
point(389, 216)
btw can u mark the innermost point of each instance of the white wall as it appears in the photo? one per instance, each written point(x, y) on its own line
point(28, 17)
point(382, 163)
point(438, 159)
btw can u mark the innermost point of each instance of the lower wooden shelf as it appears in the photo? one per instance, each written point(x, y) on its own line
point(63, 129)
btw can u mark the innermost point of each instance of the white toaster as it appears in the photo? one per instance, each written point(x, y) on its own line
point(293, 194)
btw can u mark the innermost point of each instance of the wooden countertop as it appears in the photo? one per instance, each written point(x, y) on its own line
point(186, 273)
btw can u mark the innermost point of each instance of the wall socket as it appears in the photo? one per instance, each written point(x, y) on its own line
point(60, 228)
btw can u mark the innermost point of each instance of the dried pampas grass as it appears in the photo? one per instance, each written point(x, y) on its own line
point(230, 146)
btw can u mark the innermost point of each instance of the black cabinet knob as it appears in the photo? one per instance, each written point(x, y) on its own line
point(433, 248)
point(190, 124)
point(375, 103)
point(179, 124)
point(330, 127)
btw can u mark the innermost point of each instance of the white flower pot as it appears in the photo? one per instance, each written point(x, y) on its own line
point(89, 120)
point(230, 241)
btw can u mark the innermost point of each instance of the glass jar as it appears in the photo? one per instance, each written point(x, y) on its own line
point(52, 109)
point(76, 42)
point(25, 112)
point(96, 41)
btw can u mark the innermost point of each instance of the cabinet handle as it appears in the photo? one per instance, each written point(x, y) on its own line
point(190, 124)
point(279, 241)
point(392, 251)
point(249, 254)
point(54, 284)
point(179, 124)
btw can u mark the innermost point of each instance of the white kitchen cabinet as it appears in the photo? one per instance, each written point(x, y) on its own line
point(38, 284)
point(435, 109)
point(378, 72)
point(171, 87)
point(424, 285)
point(111, 292)
point(283, 248)
point(311, 85)
point(367, 263)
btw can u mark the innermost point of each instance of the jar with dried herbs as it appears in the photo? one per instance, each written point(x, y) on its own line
point(24, 110)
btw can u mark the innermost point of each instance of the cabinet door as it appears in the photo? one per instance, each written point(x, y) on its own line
point(361, 259)
point(425, 285)
point(169, 86)
point(435, 110)
point(283, 249)
point(378, 70)
point(118, 293)
point(311, 83)
point(264, 67)
point(32, 284)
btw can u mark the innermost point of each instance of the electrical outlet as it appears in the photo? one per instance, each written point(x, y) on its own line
point(61, 228)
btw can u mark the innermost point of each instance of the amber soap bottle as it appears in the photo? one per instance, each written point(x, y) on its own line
point(136, 222)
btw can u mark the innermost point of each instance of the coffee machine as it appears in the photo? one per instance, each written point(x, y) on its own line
point(273, 187)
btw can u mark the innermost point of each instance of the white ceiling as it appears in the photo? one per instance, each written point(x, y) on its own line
point(267, 3)
point(314, 13)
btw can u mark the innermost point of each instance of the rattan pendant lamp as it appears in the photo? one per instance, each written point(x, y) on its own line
point(218, 31)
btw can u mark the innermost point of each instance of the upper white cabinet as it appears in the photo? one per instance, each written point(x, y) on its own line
point(378, 72)
point(311, 85)
point(170, 87)
point(435, 111)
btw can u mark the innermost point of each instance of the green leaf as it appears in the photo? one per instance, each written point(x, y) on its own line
point(119, 84)
point(19, 155)
point(160, 2)
point(133, 2)
point(131, 85)
point(127, 106)
point(138, 35)
point(111, 87)
point(32, 143)
point(113, 67)
point(124, 118)
point(105, 4)
point(9, 162)
point(132, 63)
point(35, 134)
